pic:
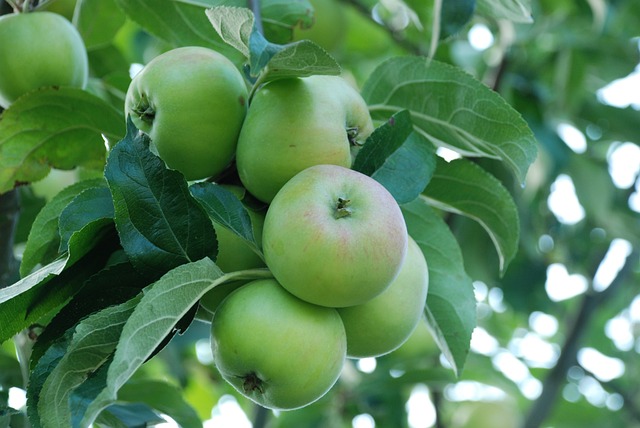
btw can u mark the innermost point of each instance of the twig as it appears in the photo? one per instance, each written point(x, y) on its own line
point(9, 214)
point(254, 5)
point(542, 407)
point(435, 27)
point(260, 417)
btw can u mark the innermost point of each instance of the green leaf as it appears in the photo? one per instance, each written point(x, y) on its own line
point(40, 372)
point(111, 286)
point(397, 157)
point(175, 22)
point(298, 59)
point(452, 109)
point(226, 209)
point(161, 396)
point(234, 26)
point(451, 304)
point(98, 22)
point(455, 15)
point(462, 187)
point(94, 340)
point(47, 289)
point(278, 17)
point(163, 305)
point(271, 61)
point(54, 127)
point(44, 238)
point(91, 205)
point(172, 296)
point(512, 10)
point(161, 225)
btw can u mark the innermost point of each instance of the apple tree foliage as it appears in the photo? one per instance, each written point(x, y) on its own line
point(114, 264)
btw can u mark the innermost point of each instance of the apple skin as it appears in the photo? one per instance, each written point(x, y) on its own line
point(191, 101)
point(39, 49)
point(330, 252)
point(385, 322)
point(296, 123)
point(275, 349)
point(234, 255)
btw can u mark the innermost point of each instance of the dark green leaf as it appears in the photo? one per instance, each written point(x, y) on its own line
point(54, 127)
point(451, 304)
point(27, 301)
point(161, 225)
point(91, 205)
point(111, 286)
point(397, 157)
point(225, 209)
point(462, 187)
point(455, 15)
point(452, 109)
point(44, 238)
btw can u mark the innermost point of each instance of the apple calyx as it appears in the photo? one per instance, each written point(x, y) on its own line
point(252, 383)
point(144, 110)
point(352, 135)
point(342, 208)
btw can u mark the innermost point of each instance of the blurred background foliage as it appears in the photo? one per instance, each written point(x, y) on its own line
point(558, 335)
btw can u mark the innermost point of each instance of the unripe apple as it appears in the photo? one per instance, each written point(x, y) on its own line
point(334, 237)
point(385, 322)
point(296, 123)
point(275, 349)
point(191, 101)
point(39, 49)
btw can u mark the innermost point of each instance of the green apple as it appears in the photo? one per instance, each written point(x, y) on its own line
point(191, 101)
point(334, 237)
point(329, 24)
point(234, 254)
point(39, 49)
point(385, 322)
point(296, 123)
point(275, 349)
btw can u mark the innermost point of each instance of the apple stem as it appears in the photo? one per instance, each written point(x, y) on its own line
point(144, 110)
point(342, 208)
point(251, 383)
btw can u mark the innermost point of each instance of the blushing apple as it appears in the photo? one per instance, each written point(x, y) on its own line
point(334, 237)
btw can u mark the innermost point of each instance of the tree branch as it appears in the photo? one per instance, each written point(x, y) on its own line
point(556, 377)
point(9, 214)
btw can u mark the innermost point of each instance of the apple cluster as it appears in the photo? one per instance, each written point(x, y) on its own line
point(348, 281)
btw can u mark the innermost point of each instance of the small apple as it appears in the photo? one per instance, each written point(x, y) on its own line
point(234, 254)
point(191, 101)
point(39, 49)
point(275, 349)
point(385, 322)
point(334, 237)
point(296, 123)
